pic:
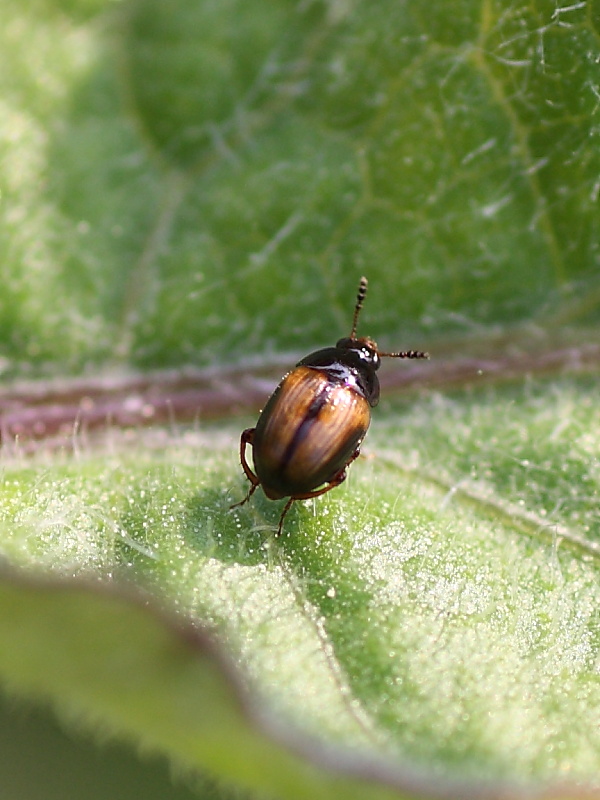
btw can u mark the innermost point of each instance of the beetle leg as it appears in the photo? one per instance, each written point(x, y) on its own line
point(354, 456)
point(286, 508)
point(247, 438)
point(251, 491)
point(340, 477)
point(335, 481)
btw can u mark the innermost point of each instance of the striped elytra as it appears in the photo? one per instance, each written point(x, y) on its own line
point(308, 432)
point(313, 424)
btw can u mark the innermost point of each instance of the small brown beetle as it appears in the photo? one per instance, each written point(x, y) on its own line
point(313, 424)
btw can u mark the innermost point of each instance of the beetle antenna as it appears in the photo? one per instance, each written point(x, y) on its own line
point(360, 298)
point(406, 354)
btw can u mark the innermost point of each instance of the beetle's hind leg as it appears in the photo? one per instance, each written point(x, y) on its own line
point(286, 508)
point(338, 478)
point(247, 438)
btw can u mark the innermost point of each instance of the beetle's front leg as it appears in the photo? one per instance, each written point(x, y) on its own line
point(247, 438)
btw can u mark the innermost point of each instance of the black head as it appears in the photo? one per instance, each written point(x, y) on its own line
point(364, 349)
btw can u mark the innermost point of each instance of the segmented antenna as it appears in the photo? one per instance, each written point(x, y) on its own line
point(360, 299)
point(406, 354)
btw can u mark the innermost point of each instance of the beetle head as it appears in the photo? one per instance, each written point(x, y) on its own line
point(365, 349)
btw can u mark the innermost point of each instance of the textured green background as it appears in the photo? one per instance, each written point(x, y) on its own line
point(200, 182)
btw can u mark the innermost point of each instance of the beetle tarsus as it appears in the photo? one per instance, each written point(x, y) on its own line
point(286, 508)
point(251, 491)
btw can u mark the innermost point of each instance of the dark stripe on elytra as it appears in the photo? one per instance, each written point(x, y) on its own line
point(303, 429)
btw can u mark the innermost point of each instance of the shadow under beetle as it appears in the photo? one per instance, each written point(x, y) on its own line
point(313, 424)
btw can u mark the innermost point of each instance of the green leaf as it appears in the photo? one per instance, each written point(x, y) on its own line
point(193, 179)
point(204, 182)
point(44, 761)
point(442, 608)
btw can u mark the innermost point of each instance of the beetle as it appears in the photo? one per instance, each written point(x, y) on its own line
point(313, 424)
